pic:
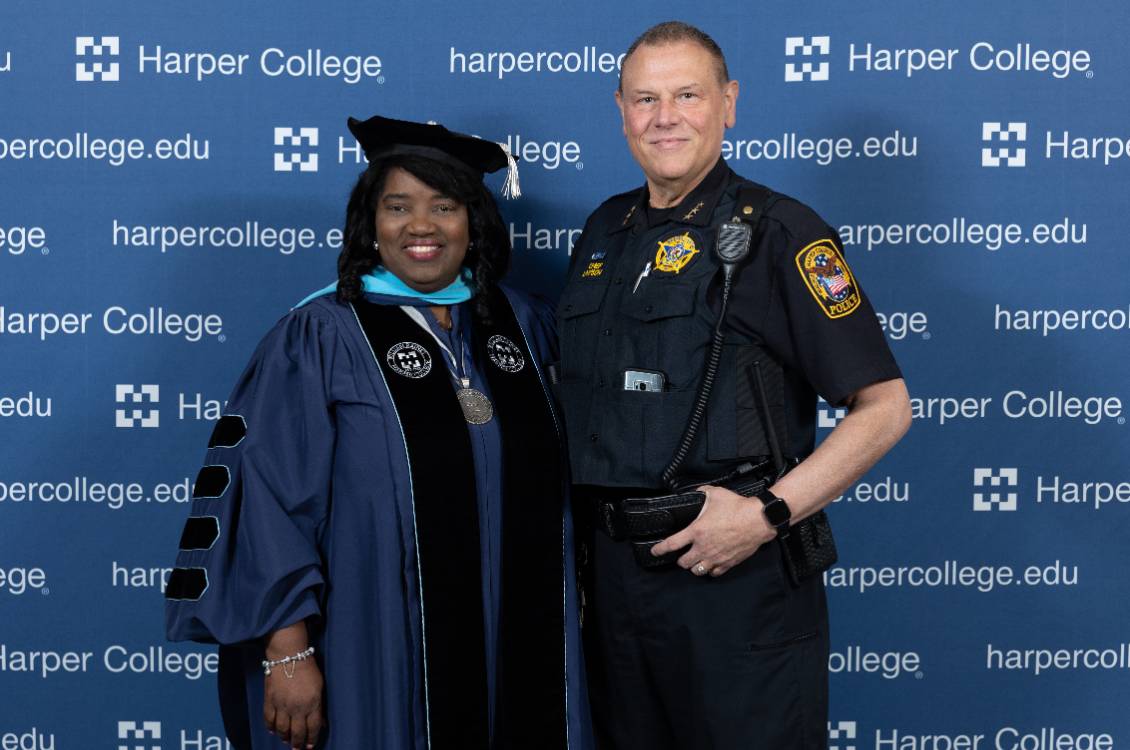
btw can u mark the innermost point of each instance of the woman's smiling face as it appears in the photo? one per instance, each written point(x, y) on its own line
point(422, 234)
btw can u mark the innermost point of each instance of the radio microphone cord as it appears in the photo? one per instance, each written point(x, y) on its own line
point(731, 248)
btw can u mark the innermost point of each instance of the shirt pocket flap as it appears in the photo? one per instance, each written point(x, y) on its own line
point(583, 299)
point(669, 302)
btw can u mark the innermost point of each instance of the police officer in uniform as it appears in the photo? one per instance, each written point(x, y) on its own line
point(722, 650)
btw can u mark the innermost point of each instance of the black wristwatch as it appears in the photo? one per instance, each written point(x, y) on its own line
point(776, 512)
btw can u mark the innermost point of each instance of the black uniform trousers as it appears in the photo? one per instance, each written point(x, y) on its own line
point(679, 662)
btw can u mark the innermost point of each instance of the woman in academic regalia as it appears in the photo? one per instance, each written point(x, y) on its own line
point(380, 538)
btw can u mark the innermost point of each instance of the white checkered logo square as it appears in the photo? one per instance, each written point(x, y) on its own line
point(1003, 137)
point(305, 158)
point(134, 396)
point(994, 479)
point(841, 735)
point(137, 735)
point(827, 416)
point(807, 70)
point(88, 69)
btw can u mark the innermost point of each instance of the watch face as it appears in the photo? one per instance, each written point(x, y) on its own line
point(777, 512)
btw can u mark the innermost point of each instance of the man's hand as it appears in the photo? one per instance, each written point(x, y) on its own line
point(729, 529)
point(292, 706)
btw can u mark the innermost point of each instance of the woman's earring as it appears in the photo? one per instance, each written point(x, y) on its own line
point(376, 245)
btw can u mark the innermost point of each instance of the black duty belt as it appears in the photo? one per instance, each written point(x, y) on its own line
point(645, 521)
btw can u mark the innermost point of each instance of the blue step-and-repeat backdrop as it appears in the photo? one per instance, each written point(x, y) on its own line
point(173, 177)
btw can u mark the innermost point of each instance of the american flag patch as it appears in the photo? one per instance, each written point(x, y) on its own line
point(837, 284)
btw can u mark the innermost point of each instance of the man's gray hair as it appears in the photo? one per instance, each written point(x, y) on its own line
point(670, 32)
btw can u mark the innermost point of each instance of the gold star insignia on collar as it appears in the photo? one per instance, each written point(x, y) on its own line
point(693, 211)
point(631, 211)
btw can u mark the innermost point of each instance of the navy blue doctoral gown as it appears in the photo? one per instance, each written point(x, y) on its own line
point(318, 501)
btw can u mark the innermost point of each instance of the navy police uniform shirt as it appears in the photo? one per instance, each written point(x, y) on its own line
point(643, 295)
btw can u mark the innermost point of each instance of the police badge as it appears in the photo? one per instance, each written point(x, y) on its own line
point(675, 253)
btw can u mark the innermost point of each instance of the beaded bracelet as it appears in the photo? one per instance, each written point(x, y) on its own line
point(288, 663)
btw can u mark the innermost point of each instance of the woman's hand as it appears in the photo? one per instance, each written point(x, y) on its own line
point(292, 705)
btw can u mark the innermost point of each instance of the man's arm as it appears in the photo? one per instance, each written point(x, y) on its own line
point(730, 527)
point(878, 416)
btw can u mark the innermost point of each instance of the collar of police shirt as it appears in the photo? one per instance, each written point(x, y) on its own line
point(696, 209)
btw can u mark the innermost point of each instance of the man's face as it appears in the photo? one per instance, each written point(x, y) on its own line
point(675, 111)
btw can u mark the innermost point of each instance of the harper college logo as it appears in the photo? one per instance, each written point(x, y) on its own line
point(841, 735)
point(91, 65)
point(995, 479)
point(828, 416)
point(999, 144)
point(298, 149)
point(137, 735)
point(806, 65)
point(134, 397)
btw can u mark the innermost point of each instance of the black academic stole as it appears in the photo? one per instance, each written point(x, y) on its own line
point(530, 709)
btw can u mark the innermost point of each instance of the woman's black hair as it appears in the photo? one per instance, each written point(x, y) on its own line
point(488, 256)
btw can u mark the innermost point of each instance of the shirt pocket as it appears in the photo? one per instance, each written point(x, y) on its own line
point(665, 334)
point(578, 320)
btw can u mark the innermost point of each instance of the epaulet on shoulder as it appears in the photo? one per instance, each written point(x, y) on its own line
point(618, 203)
point(796, 217)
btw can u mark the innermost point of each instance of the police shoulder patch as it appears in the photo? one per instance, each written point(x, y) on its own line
point(675, 253)
point(828, 278)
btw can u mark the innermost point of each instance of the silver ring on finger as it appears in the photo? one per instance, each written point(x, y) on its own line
point(700, 570)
